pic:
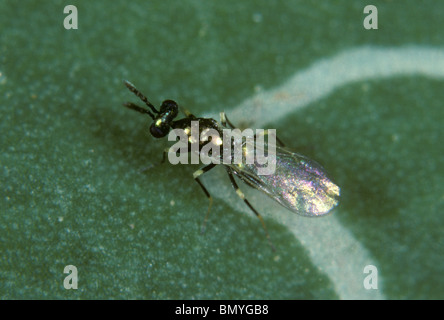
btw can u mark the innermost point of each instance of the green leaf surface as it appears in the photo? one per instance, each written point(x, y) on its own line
point(81, 182)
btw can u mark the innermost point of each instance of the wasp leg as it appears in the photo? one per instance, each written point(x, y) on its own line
point(279, 141)
point(187, 113)
point(165, 152)
point(196, 177)
point(224, 120)
point(242, 196)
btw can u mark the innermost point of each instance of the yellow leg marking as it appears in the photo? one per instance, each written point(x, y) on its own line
point(222, 117)
point(197, 173)
point(186, 112)
point(240, 194)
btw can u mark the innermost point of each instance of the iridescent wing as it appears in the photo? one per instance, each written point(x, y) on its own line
point(297, 182)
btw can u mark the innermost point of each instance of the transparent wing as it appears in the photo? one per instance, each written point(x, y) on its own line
point(297, 182)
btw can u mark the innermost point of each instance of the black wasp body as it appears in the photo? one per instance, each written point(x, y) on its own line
point(163, 120)
point(298, 183)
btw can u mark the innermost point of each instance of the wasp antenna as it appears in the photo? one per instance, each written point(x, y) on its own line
point(140, 95)
point(135, 107)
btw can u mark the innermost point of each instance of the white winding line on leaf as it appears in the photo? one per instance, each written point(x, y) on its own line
point(330, 246)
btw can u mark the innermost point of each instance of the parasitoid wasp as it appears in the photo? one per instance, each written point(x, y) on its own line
point(297, 183)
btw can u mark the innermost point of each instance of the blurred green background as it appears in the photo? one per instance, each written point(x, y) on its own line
point(73, 185)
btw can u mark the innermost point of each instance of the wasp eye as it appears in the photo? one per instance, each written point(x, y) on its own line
point(159, 130)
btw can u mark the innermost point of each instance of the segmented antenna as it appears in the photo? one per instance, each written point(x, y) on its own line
point(135, 107)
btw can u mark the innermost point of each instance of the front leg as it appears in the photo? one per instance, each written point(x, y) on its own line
point(196, 176)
